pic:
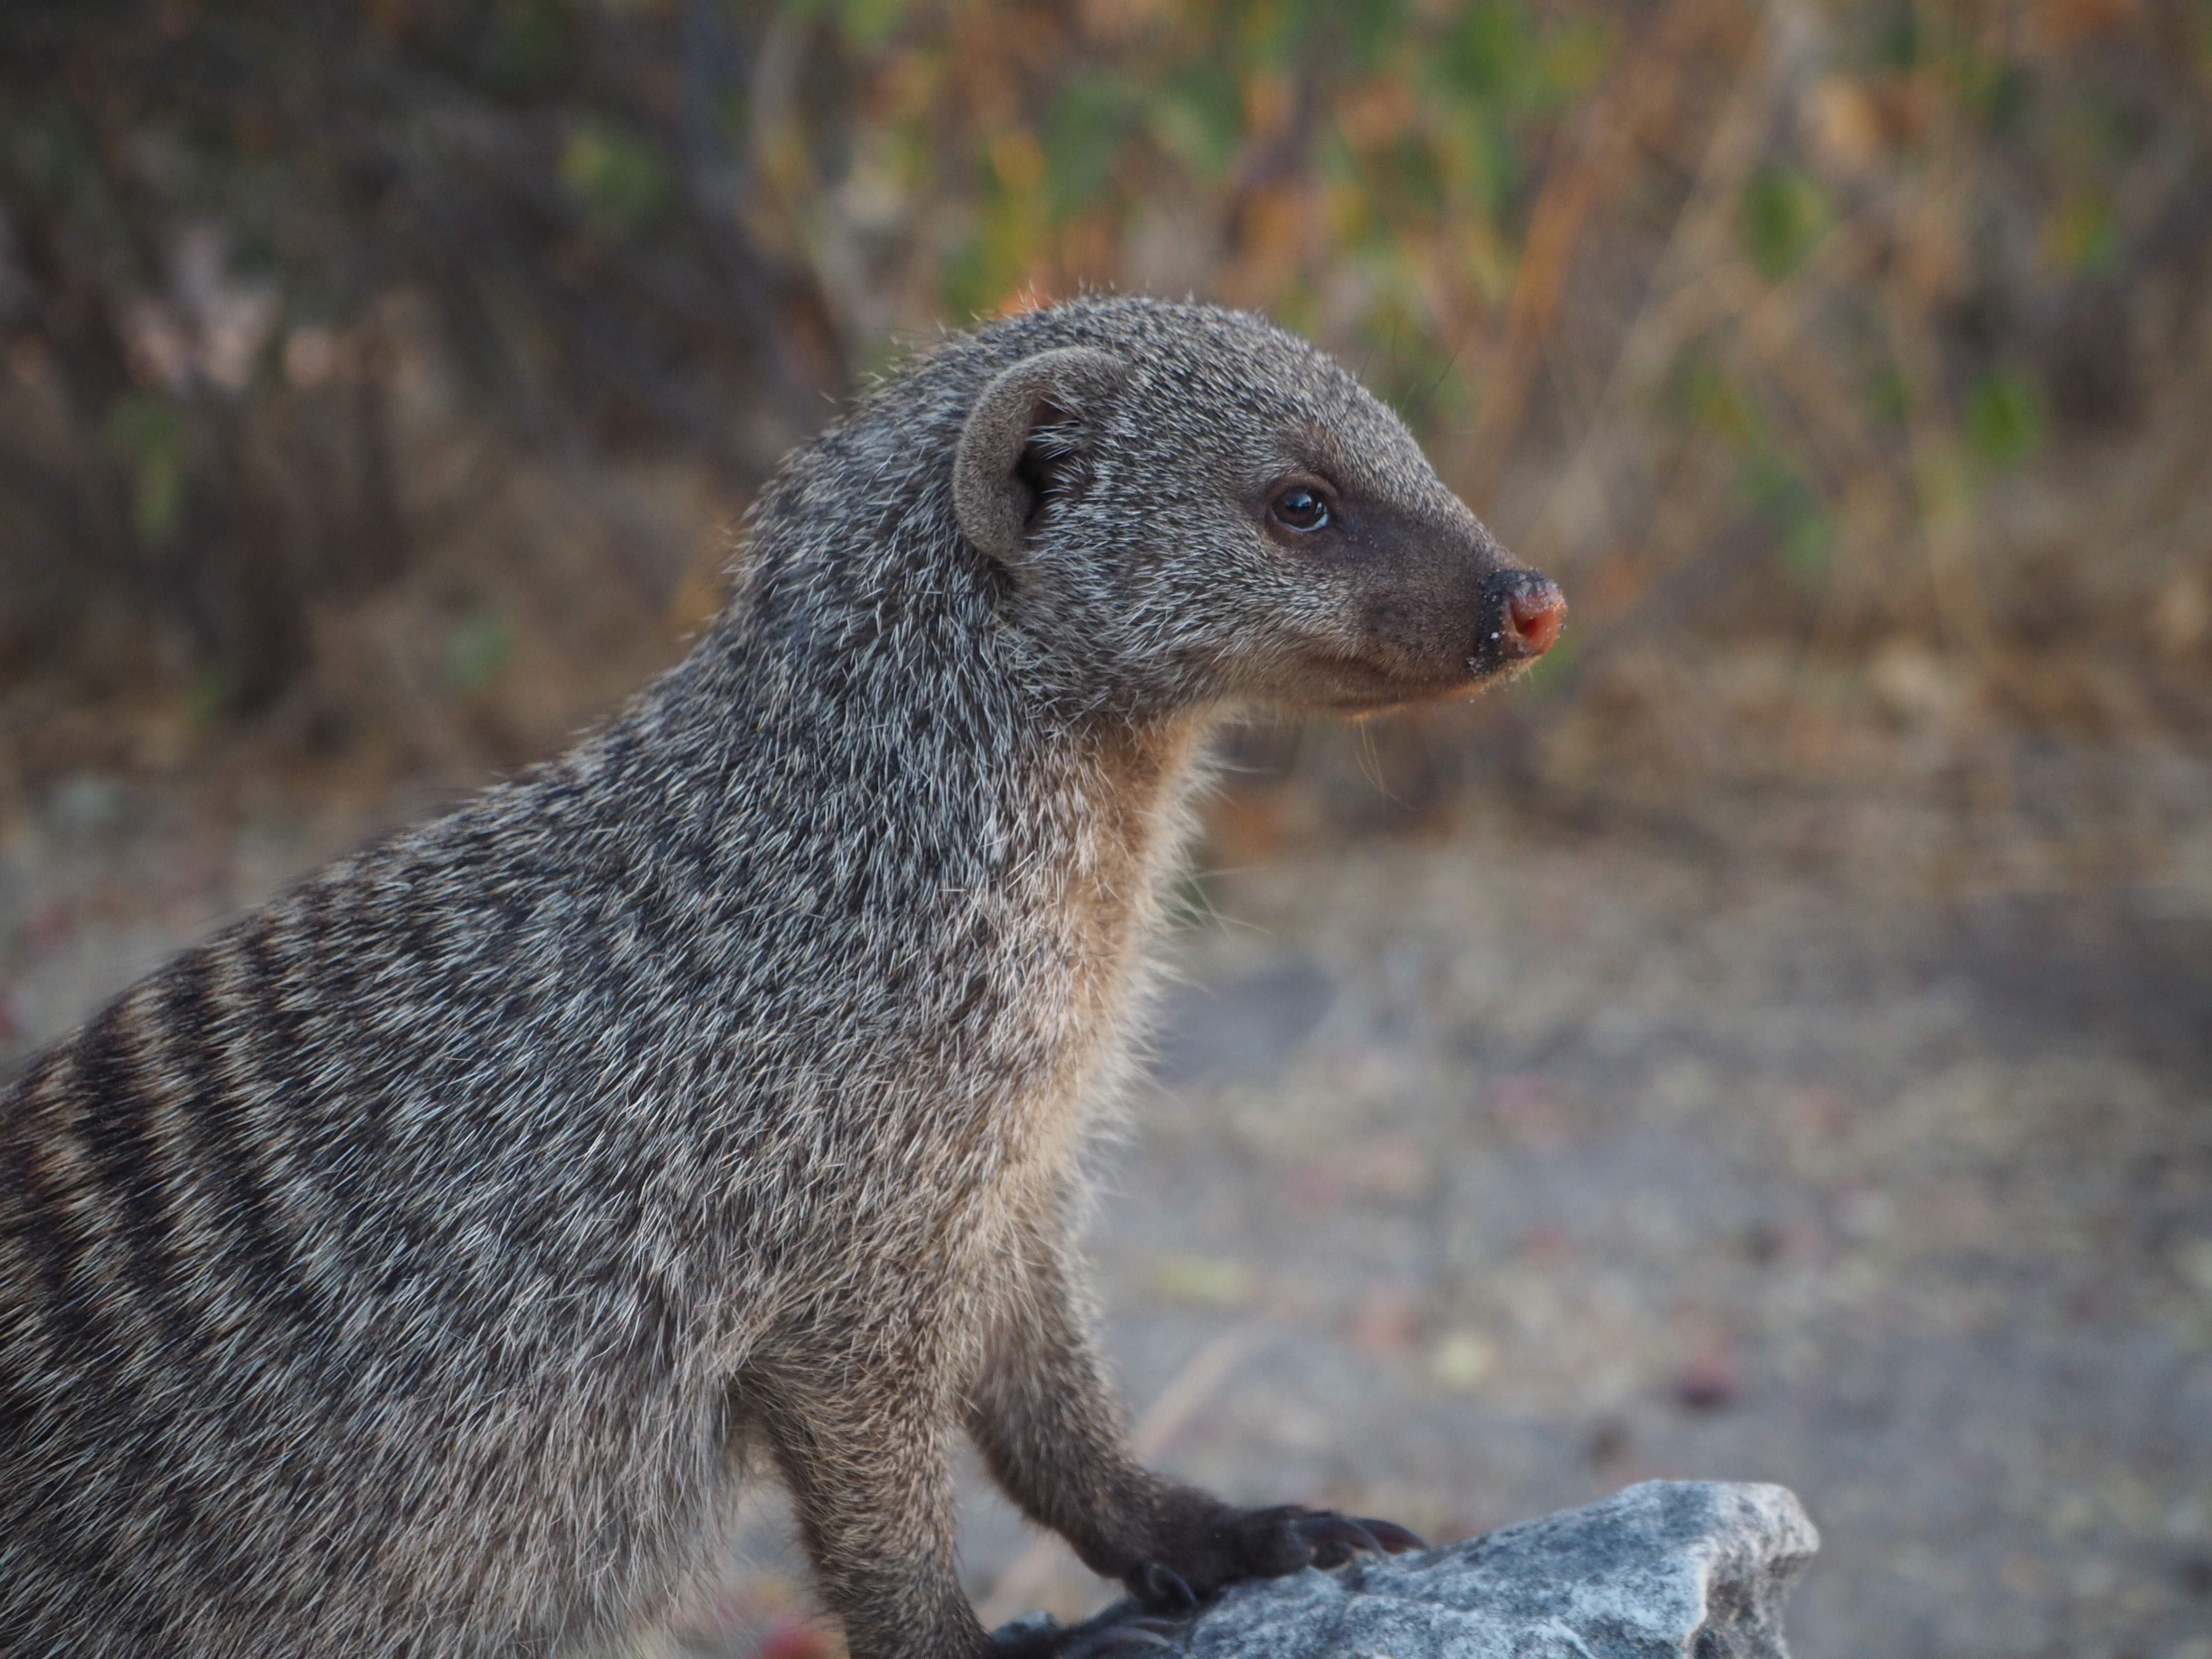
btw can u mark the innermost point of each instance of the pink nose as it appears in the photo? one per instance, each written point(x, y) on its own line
point(1531, 619)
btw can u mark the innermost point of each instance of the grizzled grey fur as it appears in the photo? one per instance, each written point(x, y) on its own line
point(1667, 1569)
point(412, 1268)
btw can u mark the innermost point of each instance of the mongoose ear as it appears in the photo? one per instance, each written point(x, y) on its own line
point(1023, 443)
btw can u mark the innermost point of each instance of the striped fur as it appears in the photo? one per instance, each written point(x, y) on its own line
point(408, 1269)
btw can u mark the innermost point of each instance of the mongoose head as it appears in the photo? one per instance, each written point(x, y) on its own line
point(1189, 504)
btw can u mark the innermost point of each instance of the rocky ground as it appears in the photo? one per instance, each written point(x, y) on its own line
point(1491, 1169)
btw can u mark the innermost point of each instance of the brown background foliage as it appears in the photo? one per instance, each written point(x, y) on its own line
point(383, 379)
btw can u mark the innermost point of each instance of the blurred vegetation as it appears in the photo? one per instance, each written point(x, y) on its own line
point(1815, 322)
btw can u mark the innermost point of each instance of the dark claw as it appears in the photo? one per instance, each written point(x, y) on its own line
point(1129, 1636)
point(1038, 1636)
point(1163, 1584)
point(1333, 1538)
point(1395, 1538)
point(1106, 1634)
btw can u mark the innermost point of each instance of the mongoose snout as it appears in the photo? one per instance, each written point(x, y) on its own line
point(1523, 612)
point(408, 1271)
point(1440, 608)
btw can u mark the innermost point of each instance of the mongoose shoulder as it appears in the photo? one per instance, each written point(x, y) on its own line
point(405, 1270)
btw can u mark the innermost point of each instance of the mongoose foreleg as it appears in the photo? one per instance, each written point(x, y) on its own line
point(1049, 1432)
point(864, 1444)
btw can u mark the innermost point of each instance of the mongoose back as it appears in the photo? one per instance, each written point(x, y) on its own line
point(410, 1268)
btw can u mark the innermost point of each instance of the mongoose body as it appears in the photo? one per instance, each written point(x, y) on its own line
point(409, 1269)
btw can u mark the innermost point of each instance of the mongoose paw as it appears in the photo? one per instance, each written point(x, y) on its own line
point(1121, 1629)
point(1210, 1552)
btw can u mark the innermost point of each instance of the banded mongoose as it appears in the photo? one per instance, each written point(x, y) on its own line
point(409, 1269)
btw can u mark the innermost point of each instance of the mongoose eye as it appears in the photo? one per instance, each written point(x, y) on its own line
point(1300, 508)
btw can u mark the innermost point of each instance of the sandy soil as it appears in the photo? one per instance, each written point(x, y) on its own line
point(1486, 1173)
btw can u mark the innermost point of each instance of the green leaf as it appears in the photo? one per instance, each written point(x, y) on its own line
point(2005, 420)
point(1713, 401)
point(207, 696)
point(1084, 135)
point(617, 177)
point(2082, 237)
point(1481, 162)
point(1205, 1281)
point(866, 24)
point(146, 432)
point(477, 652)
point(1574, 56)
point(1889, 396)
point(1806, 550)
point(1804, 539)
point(967, 286)
point(529, 42)
point(1997, 92)
point(53, 152)
point(1898, 42)
point(1785, 213)
point(1370, 28)
point(1198, 117)
point(1488, 53)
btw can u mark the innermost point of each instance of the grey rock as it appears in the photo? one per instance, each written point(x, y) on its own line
point(1690, 1570)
